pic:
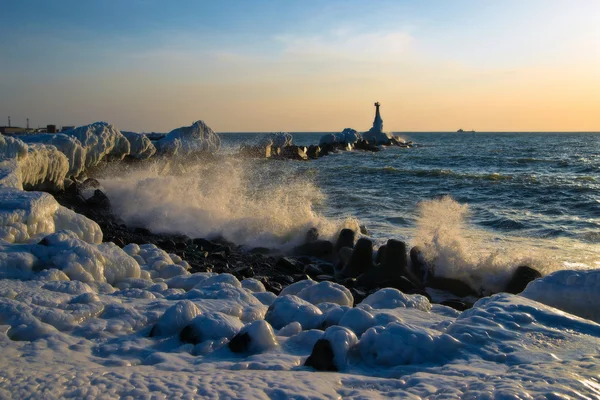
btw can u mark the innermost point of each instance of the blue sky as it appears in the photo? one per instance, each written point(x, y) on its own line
point(303, 65)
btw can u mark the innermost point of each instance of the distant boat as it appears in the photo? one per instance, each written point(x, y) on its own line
point(461, 131)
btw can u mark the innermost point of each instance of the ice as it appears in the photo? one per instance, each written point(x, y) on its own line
point(12, 148)
point(393, 298)
point(327, 292)
point(348, 135)
point(262, 337)
point(357, 320)
point(343, 342)
point(216, 325)
point(189, 140)
point(576, 292)
point(288, 308)
point(140, 146)
point(279, 139)
point(376, 137)
point(101, 140)
point(25, 215)
point(297, 287)
point(70, 146)
point(253, 285)
point(176, 318)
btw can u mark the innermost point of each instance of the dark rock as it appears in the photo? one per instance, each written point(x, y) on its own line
point(273, 287)
point(312, 270)
point(153, 331)
point(321, 357)
point(324, 277)
point(345, 239)
point(289, 265)
point(327, 268)
point(44, 242)
point(260, 250)
point(366, 146)
point(363, 230)
point(240, 343)
point(142, 231)
point(293, 153)
point(419, 265)
point(204, 243)
point(456, 304)
point(521, 277)
point(313, 152)
point(361, 259)
point(189, 335)
point(300, 277)
point(379, 255)
point(359, 295)
point(451, 285)
point(219, 255)
point(312, 235)
point(167, 245)
point(245, 271)
point(180, 245)
point(259, 151)
point(395, 261)
point(99, 200)
point(317, 248)
point(89, 183)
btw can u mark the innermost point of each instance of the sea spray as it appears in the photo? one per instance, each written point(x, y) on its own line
point(250, 202)
point(460, 251)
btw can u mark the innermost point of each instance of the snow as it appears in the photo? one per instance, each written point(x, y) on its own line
point(393, 298)
point(348, 135)
point(77, 339)
point(327, 292)
point(279, 139)
point(140, 146)
point(376, 137)
point(189, 140)
point(70, 146)
point(101, 140)
point(576, 292)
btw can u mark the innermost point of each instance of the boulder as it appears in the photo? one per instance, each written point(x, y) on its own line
point(321, 357)
point(521, 278)
point(361, 259)
point(345, 239)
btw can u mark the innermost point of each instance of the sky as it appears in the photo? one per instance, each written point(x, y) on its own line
point(261, 65)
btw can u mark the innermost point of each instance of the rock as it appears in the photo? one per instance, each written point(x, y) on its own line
point(293, 153)
point(456, 304)
point(451, 285)
point(245, 271)
point(359, 295)
point(189, 335)
point(345, 239)
point(379, 255)
point(312, 235)
point(521, 278)
point(312, 270)
point(260, 250)
point(99, 200)
point(395, 261)
point(260, 151)
point(321, 357)
point(240, 343)
point(363, 230)
point(324, 277)
point(313, 152)
point(345, 253)
point(204, 244)
point(361, 259)
point(419, 265)
point(366, 146)
point(421, 292)
point(317, 248)
point(289, 265)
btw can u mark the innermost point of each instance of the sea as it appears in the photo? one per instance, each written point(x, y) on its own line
point(481, 202)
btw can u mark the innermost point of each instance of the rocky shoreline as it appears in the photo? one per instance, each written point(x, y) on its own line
point(350, 261)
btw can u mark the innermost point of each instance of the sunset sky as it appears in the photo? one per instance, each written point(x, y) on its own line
point(145, 65)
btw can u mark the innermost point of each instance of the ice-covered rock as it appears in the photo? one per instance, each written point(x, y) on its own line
point(297, 287)
point(24, 215)
point(347, 136)
point(377, 137)
point(11, 147)
point(189, 140)
point(140, 146)
point(100, 140)
point(255, 337)
point(400, 343)
point(343, 342)
point(287, 309)
point(278, 139)
point(175, 318)
point(576, 292)
point(393, 298)
point(327, 292)
point(211, 326)
point(70, 146)
point(357, 320)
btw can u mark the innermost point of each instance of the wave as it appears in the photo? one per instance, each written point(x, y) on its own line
point(485, 261)
point(250, 203)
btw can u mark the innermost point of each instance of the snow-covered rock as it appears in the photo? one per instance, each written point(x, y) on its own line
point(393, 298)
point(576, 292)
point(343, 342)
point(287, 309)
point(327, 292)
point(175, 318)
point(140, 146)
point(69, 145)
point(278, 139)
point(100, 140)
point(189, 140)
point(11, 147)
point(377, 137)
point(347, 136)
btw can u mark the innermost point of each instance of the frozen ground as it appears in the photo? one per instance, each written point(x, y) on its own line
point(66, 338)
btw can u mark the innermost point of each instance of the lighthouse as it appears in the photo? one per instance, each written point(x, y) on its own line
point(378, 122)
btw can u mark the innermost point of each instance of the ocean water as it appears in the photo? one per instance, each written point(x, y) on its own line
point(484, 202)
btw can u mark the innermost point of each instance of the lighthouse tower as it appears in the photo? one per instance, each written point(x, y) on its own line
point(378, 122)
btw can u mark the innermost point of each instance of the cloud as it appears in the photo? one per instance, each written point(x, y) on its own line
point(346, 44)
